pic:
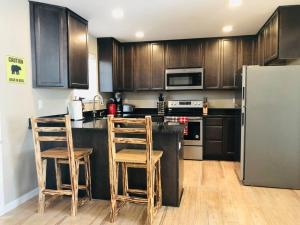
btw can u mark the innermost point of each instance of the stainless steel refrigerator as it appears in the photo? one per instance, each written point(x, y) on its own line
point(270, 126)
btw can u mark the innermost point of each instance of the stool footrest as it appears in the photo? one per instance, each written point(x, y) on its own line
point(137, 191)
point(57, 192)
point(68, 186)
point(124, 198)
point(65, 161)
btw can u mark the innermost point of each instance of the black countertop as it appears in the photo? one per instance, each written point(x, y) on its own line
point(101, 124)
point(222, 112)
point(212, 112)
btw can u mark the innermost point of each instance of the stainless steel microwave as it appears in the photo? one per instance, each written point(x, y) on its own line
point(184, 79)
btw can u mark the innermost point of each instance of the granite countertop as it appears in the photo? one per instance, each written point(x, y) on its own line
point(214, 112)
point(101, 124)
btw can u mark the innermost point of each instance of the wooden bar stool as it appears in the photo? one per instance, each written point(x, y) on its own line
point(133, 158)
point(50, 130)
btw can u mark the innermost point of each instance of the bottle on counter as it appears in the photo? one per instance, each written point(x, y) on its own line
point(161, 105)
point(205, 106)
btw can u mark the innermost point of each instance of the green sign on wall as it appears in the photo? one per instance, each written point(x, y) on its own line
point(15, 69)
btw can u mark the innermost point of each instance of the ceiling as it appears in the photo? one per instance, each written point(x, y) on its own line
point(172, 19)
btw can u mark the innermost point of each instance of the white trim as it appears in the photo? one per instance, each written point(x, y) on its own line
point(1, 178)
point(19, 201)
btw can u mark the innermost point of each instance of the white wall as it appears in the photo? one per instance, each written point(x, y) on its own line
point(18, 103)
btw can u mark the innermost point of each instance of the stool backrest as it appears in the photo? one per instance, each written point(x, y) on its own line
point(136, 126)
point(55, 129)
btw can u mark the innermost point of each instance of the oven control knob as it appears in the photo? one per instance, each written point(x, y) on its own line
point(196, 136)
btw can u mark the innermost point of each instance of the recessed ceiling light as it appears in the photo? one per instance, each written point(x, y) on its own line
point(117, 13)
point(139, 34)
point(227, 28)
point(235, 3)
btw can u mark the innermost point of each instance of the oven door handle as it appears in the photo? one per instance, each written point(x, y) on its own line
point(195, 119)
point(201, 132)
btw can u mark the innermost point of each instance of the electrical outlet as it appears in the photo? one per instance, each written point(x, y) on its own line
point(40, 104)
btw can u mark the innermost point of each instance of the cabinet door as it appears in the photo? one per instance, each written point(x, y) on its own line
point(212, 64)
point(142, 72)
point(231, 138)
point(213, 138)
point(175, 54)
point(194, 53)
point(157, 66)
point(228, 63)
point(246, 51)
point(49, 45)
point(117, 63)
point(273, 37)
point(228, 138)
point(128, 52)
point(213, 150)
point(261, 48)
point(78, 51)
point(267, 42)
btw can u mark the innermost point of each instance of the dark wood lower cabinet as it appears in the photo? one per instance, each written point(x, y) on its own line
point(222, 138)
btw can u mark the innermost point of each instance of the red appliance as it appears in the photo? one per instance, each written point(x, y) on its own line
point(112, 108)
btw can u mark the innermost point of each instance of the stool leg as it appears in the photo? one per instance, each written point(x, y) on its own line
point(125, 179)
point(158, 182)
point(58, 174)
point(74, 184)
point(42, 183)
point(150, 193)
point(114, 190)
point(87, 176)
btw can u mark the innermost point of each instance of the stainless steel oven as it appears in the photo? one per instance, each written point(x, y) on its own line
point(184, 79)
point(193, 137)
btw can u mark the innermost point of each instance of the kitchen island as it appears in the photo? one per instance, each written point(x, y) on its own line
point(93, 133)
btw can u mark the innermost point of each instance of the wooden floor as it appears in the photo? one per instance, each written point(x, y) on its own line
point(212, 196)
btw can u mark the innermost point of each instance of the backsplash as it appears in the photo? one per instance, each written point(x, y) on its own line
point(216, 99)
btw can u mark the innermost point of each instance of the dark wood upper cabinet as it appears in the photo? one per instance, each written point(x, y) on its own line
point(247, 51)
point(184, 53)
point(212, 64)
point(278, 39)
point(110, 65)
point(194, 53)
point(157, 66)
point(229, 62)
point(260, 48)
point(59, 47)
point(223, 60)
point(175, 54)
point(142, 66)
point(117, 70)
point(49, 45)
point(127, 67)
point(78, 51)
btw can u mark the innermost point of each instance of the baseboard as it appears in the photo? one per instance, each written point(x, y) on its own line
point(14, 204)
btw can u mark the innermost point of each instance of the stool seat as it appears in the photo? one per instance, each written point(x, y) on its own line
point(136, 156)
point(62, 153)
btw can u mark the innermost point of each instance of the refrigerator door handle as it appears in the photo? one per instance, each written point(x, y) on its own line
point(243, 119)
point(243, 93)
